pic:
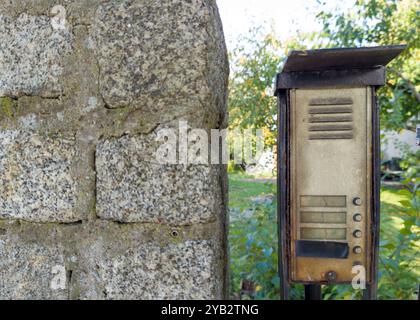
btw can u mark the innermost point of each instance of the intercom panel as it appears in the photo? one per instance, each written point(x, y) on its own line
point(330, 174)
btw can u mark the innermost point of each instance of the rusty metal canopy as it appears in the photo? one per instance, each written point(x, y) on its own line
point(336, 68)
point(341, 58)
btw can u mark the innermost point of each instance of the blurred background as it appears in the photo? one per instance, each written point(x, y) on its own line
point(259, 35)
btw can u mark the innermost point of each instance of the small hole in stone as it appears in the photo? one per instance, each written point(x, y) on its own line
point(174, 233)
point(2, 232)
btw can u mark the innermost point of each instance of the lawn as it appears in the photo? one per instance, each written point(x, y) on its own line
point(244, 188)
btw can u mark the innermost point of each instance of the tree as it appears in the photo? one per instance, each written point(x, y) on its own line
point(254, 65)
point(257, 59)
point(255, 62)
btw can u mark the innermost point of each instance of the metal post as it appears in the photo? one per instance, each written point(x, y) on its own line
point(282, 190)
point(370, 293)
point(313, 292)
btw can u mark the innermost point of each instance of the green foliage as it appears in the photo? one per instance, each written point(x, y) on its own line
point(255, 63)
point(340, 292)
point(253, 251)
point(231, 167)
point(399, 271)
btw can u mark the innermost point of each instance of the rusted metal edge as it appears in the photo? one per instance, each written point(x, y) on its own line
point(341, 58)
point(371, 288)
point(283, 191)
point(331, 78)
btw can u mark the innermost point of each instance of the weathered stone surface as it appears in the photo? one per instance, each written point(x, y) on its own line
point(31, 270)
point(105, 260)
point(31, 55)
point(177, 271)
point(154, 53)
point(80, 188)
point(133, 187)
point(37, 182)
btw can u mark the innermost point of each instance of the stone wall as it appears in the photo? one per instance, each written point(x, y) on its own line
point(86, 211)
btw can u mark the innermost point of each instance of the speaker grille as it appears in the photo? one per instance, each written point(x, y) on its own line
point(330, 119)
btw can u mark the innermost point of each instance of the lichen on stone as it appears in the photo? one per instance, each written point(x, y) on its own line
point(8, 107)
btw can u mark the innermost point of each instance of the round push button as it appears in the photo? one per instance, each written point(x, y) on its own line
point(357, 249)
point(357, 201)
point(357, 233)
point(357, 217)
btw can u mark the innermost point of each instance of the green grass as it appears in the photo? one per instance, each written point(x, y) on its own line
point(242, 188)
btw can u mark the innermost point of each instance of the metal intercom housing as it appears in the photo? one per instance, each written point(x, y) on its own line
point(329, 164)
